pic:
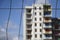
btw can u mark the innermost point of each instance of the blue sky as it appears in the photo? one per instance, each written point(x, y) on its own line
point(15, 16)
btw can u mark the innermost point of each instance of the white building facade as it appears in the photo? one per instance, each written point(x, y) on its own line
point(37, 22)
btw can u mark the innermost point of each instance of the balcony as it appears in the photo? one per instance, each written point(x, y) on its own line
point(47, 7)
point(28, 13)
point(28, 37)
point(47, 31)
point(28, 28)
point(47, 14)
point(29, 23)
point(28, 18)
point(28, 32)
point(47, 26)
point(28, 10)
point(46, 21)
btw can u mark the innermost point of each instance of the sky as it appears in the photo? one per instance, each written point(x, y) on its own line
point(15, 17)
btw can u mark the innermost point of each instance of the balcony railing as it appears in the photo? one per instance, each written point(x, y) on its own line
point(28, 28)
point(47, 26)
point(47, 20)
point(50, 32)
point(29, 23)
point(28, 13)
point(28, 18)
point(28, 33)
point(47, 15)
point(48, 9)
point(47, 37)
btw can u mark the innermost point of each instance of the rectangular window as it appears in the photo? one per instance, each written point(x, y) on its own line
point(40, 24)
point(35, 19)
point(40, 19)
point(39, 8)
point(35, 8)
point(35, 13)
point(40, 30)
point(40, 35)
point(35, 24)
point(39, 13)
point(35, 35)
point(35, 30)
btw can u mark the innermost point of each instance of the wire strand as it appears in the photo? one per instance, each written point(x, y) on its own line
point(8, 21)
point(56, 8)
point(45, 2)
point(25, 8)
point(20, 20)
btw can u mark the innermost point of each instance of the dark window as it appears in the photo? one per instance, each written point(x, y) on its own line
point(40, 24)
point(40, 30)
point(41, 36)
point(35, 19)
point(39, 8)
point(35, 8)
point(35, 24)
point(35, 13)
point(35, 30)
point(39, 13)
point(40, 19)
point(35, 35)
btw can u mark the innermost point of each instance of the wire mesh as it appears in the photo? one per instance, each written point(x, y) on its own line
point(11, 7)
